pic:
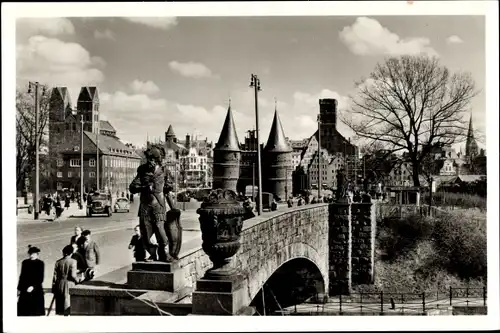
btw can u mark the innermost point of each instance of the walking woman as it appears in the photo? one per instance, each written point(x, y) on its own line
point(31, 299)
point(58, 207)
point(77, 235)
point(65, 277)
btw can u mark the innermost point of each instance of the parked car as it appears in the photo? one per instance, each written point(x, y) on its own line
point(267, 199)
point(99, 203)
point(122, 205)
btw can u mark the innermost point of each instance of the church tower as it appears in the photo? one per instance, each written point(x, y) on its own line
point(226, 167)
point(59, 110)
point(88, 106)
point(471, 148)
point(278, 162)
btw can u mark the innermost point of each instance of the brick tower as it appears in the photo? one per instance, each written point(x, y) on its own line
point(226, 167)
point(88, 106)
point(278, 162)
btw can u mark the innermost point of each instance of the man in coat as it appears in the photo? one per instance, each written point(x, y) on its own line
point(65, 277)
point(91, 254)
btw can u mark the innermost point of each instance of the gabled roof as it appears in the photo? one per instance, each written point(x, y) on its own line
point(111, 145)
point(105, 125)
point(88, 94)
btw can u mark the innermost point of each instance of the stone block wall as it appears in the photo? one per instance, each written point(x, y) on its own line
point(363, 225)
point(339, 242)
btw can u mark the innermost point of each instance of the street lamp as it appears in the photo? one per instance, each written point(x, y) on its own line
point(255, 83)
point(36, 199)
point(75, 113)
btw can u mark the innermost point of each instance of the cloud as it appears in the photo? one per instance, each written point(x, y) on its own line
point(27, 27)
point(454, 39)
point(57, 63)
point(163, 23)
point(191, 69)
point(144, 87)
point(368, 37)
point(106, 34)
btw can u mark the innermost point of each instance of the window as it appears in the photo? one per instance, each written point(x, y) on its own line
point(74, 162)
point(59, 174)
point(70, 174)
point(105, 162)
point(60, 163)
point(92, 162)
point(92, 174)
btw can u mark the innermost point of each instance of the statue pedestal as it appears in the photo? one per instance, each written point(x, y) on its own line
point(155, 276)
point(223, 297)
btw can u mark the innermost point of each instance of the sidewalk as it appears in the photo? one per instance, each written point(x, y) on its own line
point(73, 211)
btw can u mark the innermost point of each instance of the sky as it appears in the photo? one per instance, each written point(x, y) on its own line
point(153, 72)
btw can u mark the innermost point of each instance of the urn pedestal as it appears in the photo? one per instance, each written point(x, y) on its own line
point(219, 292)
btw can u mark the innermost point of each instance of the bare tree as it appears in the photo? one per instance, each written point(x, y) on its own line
point(25, 134)
point(410, 104)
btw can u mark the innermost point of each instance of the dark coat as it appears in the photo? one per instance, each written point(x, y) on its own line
point(91, 253)
point(74, 240)
point(33, 303)
point(64, 278)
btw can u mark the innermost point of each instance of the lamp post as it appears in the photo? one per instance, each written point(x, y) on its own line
point(75, 112)
point(320, 178)
point(255, 83)
point(36, 195)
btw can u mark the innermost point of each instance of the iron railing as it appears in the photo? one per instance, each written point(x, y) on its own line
point(390, 302)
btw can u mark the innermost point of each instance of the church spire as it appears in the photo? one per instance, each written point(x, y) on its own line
point(471, 148)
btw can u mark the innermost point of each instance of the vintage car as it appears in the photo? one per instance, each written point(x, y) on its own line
point(267, 199)
point(99, 203)
point(122, 205)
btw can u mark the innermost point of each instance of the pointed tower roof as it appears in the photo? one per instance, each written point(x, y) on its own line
point(88, 94)
point(470, 133)
point(277, 142)
point(170, 132)
point(228, 139)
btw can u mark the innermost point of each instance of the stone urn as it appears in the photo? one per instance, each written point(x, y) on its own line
point(221, 221)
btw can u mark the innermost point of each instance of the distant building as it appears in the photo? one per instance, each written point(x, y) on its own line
point(326, 175)
point(105, 157)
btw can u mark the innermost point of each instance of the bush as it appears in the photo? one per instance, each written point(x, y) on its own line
point(462, 200)
point(461, 244)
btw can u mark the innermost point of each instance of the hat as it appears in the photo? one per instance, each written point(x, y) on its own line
point(33, 249)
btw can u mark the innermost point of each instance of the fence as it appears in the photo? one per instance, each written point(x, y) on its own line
point(390, 303)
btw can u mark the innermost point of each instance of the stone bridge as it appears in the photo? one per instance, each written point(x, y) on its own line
point(313, 250)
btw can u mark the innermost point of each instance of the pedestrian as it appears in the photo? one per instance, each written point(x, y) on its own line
point(300, 201)
point(72, 197)
point(313, 201)
point(274, 205)
point(77, 235)
point(123, 194)
point(81, 265)
point(66, 202)
point(137, 245)
point(47, 204)
point(290, 202)
point(91, 254)
point(58, 207)
point(65, 277)
point(248, 206)
point(31, 300)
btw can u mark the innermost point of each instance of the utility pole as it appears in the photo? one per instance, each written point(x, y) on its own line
point(36, 195)
point(320, 178)
point(97, 160)
point(255, 83)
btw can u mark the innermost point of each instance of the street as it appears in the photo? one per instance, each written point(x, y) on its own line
point(112, 234)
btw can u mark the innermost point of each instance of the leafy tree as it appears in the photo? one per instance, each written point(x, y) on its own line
point(410, 104)
point(25, 135)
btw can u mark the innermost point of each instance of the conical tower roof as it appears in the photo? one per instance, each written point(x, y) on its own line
point(228, 139)
point(276, 142)
point(170, 132)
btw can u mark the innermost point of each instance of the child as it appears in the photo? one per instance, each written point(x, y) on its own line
point(136, 243)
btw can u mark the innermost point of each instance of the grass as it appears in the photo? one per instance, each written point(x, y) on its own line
point(462, 200)
point(417, 254)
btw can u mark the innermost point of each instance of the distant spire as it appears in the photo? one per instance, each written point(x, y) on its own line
point(228, 139)
point(229, 105)
point(471, 148)
point(275, 104)
point(277, 141)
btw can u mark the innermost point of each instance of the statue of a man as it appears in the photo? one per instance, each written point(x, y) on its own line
point(341, 183)
point(150, 184)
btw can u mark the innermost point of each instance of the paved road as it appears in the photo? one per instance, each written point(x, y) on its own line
point(111, 233)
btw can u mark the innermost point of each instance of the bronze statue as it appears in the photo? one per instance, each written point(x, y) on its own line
point(341, 181)
point(150, 183)
point(173, 228)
